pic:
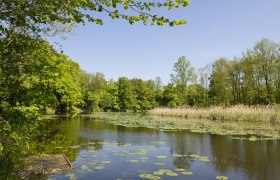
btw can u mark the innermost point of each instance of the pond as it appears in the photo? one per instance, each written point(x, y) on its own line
point(102, 150)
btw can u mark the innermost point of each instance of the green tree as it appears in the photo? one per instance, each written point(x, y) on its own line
point(184, 73)
point(126, 97)
point(34, 74)
point(109, 100)
point(45, 16)
point(170, 96)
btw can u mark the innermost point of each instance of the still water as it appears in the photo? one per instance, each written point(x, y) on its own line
point(100, 150)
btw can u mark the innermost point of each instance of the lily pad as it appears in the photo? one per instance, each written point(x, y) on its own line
point(149, 176)
point(99, 167)
point(159, 163)
point(179, 169)
point(71, 176)
point(105, 162)
point(171, 174)
point(187, 173)
point(178, 155)
point(222, 177)
point(133, 161)
point(161, 157)
point(84, 167)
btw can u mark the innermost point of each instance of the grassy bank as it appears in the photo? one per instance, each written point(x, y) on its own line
point(266, 114)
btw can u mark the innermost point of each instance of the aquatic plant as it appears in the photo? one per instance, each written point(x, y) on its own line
point(149, 176)
point(222, 177)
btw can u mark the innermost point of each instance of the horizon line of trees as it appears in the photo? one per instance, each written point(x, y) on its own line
point(43, 79)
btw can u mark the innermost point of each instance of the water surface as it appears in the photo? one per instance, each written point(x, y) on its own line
point(100, 150)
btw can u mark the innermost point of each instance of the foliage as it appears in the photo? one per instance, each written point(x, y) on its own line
point(51, 16)
point(184, 73)
point(34, 74)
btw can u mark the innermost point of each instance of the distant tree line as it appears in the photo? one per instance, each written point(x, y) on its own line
point(50, 80)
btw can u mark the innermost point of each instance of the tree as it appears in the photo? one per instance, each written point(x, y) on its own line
point(109, 100)
point(34, 74)
point(126, 97)
point(170, 96)
point(44, 16)
point(184, 73)
point(158, 90)
point(204, 77)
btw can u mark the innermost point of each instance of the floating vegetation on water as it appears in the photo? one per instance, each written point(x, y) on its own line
point(222, 177)
point(58, 147)
point(180, 169)
point(171, 174)
point(194, 156)
point(161, 157)
point(105, 162)
point(84, 167)
point(93, 155)
point(133, 161)
point(152, 148)
point(158, 142)
point(253, 138)
point(265, 130)
point(178, 155)
point(203, 159)
point(149, 176)
point(187, 173)
point(199, 130)
point(165, 171)
point(138, 152)
point(99, 167)
point(71, 176)
point(159, 163)
point(120, 154)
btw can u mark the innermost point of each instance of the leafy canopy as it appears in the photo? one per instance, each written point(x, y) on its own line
point(37, 16)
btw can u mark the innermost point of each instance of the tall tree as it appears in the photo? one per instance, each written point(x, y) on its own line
point(184, 73)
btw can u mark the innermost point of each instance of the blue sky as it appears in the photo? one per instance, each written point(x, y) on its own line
point(216, 28)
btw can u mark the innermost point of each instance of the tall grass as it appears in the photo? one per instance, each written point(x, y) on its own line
point(269, 114)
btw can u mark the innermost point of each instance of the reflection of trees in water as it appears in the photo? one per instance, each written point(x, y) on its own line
point(185, 143)
point(259, 160)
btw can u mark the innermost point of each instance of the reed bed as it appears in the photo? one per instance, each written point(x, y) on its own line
point(269, 114)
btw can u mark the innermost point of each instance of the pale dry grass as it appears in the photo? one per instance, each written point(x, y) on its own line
point(269, 114)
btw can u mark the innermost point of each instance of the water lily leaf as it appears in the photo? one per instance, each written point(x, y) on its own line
point(149, 176)
point(133, 161)
point(222, 177)
point(105, 162)
point(161, 157)
point(160, 163)
point(84, 167)
point(171, 174)
point(204, 159)
point(71, 176)
point(99, 167)
point(179, 169)
point(187, 173)
point(178, 155)
point(194, 156)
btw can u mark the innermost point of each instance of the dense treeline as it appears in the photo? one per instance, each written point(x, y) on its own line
point(252, 79)
point(33, 73)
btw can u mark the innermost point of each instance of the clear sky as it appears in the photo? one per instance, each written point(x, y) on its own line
point(216, 28)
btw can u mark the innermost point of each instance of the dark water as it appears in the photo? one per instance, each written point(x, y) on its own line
point(107, 151)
